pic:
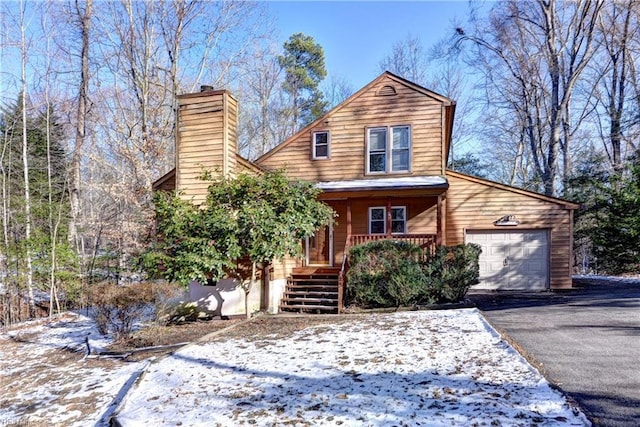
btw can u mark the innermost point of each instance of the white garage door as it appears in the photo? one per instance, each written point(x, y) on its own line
point(512, 260)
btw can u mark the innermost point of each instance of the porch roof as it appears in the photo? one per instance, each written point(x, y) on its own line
point(431, 184)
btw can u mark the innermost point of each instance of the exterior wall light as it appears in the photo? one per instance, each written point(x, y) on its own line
point(507, 220)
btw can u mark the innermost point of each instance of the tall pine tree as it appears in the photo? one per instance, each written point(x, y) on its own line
point(303, 62)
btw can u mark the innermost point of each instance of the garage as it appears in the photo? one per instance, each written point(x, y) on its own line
point(512, 259)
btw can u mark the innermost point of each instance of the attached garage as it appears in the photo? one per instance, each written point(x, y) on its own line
point(513, 259)
point(532, 250)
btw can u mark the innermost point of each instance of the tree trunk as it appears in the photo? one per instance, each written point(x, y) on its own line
point(247, 290)
point(83, 101)
point(25, 165)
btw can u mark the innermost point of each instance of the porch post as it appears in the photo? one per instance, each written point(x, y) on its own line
point(389, 217)
point(348, 217)
point(439, 221)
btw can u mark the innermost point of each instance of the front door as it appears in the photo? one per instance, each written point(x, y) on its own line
point(319, 247)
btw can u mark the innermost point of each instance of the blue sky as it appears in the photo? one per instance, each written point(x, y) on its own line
point(356, 35)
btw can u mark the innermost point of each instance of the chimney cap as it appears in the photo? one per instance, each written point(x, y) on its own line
point(206, 88)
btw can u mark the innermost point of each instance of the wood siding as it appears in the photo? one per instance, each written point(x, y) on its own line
point(206, 140)
point(348, 125)
point(421, 218)
point(472, 204)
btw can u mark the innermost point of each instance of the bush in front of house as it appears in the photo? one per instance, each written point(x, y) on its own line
point(384, 273)
point(117, 308)
point(387, 273)
point(450, 272)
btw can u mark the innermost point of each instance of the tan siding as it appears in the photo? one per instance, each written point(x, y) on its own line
point(347, 127)
point(232, 136)
point(207, 140)
point(472, 205)
point(282, 269)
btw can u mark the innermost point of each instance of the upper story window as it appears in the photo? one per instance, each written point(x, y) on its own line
point(321, 145)
point(388, 149)
point(378, 220)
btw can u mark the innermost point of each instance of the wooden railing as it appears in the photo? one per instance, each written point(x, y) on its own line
point(427, 242)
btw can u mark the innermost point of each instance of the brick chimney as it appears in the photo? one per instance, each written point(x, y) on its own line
point(206, 139)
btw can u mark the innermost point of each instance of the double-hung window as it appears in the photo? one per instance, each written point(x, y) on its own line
point(378, 220)
point(321, 145)
point(388, 149)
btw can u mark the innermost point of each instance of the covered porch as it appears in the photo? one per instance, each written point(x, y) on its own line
point(409, 209)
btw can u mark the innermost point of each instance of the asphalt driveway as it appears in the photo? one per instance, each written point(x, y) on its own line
point(586, 341)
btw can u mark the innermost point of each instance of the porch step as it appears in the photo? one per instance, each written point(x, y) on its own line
point(312, 290)
point(304, 308)
point(314, 279)
point(312, 294)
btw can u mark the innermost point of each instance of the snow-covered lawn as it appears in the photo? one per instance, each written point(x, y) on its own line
point(430, 368)
point(45, 380)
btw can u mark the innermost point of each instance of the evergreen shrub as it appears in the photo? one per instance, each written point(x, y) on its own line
point(384, 273)
point(387, 273)
point(450, 272)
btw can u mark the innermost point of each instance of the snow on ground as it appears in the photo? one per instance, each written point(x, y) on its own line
point(433, 368)
point(46, 380)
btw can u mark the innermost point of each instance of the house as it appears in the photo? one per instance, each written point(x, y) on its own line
point(380, 158)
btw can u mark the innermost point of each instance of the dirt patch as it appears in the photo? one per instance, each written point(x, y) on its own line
point(273, 327)
point(145, 342)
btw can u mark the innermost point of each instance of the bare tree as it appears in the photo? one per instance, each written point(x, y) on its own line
point(83, 21)
point(408, 59)
point(614, 102)
point(259, 95)
point(532, 56)
point(24, 48)
point(336, 89)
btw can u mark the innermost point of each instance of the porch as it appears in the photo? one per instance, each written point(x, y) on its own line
point(321, 289)
point(409, 209)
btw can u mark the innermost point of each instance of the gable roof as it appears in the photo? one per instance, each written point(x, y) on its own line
point(567, 204)
point(448, 104)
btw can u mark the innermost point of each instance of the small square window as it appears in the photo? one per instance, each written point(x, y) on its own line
point(321, 145)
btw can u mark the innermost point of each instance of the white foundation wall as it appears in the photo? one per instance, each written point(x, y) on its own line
point(276, 290)
point(226, 298)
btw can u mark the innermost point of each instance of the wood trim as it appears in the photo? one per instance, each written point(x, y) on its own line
point(567, 204)
point(206, 93)
point(439, 220)
point(388, 192)
point(571, 238)
point(158, 183)
point(348, 217)
point(389, 217)
point(225, 136)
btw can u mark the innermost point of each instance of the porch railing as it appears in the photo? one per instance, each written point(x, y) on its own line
point(427, 242)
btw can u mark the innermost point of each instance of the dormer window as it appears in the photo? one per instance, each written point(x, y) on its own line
point(321, 145)
point(388, 154)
